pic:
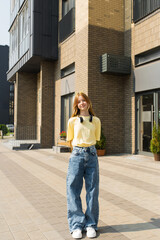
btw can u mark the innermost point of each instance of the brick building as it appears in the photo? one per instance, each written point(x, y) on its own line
point(65, 46)
point(145, 58)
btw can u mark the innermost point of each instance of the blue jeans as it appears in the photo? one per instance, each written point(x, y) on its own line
point(83, 163)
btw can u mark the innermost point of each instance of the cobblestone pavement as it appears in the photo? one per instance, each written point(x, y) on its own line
point(33, 196)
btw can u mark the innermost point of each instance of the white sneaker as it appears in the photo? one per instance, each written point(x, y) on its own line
point(77, 233)
point(91, 232)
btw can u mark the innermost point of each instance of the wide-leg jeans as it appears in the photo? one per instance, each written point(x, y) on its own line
point(83, 163)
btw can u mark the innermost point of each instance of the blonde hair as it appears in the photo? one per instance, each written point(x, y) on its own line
point(76, 110)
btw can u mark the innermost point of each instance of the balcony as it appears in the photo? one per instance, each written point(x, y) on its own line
point(67, 25)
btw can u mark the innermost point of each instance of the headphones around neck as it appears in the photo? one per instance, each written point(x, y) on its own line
point(90, 119)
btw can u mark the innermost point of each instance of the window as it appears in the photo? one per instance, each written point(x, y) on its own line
point(146, 113)
point(147, 56)
point(142, 8)
point(66, 110)
point(67, 5)
point(68, 70)
point(19, 36)
point(24, 30)
point(13, 44)
point(12, 88)
point(13, 4)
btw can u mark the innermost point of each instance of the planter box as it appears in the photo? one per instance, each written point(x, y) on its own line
point(101, 152)
point(157, 156)
point(63, 138)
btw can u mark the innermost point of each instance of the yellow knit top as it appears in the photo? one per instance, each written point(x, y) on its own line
point(83, 134)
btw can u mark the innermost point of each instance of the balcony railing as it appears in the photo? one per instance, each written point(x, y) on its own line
point(67, 25)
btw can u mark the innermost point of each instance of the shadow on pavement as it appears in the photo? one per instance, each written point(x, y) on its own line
point(153, 224)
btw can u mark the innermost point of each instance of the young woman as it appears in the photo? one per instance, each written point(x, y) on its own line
point(84, 130)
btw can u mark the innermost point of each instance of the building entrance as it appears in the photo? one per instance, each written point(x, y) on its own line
point(146, 116)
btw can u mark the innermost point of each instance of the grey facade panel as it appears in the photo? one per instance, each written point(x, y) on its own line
point(68, 84)
point(45, 27)
point(4, 85)
point(147, 77)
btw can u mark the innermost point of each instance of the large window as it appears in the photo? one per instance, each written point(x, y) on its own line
point(66, 110)
point(13, 44)
point(13, 9)
point(142, 8)
point(19, 36)
point(24, 30)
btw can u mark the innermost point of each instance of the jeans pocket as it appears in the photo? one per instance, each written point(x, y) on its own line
point(93, 152)
point(75, 152)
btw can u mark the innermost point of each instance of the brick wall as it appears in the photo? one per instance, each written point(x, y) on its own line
point(101, 26)
point(145, 36)
point(67, 51)
point(57, 110)
point(25, 101)
point(57, 100)
point(81, 64)
point(47, 103)
point(107, 92)
point(147, 33)
point(129, 107)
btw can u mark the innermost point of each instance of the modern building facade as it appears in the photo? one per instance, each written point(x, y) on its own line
point(60, 47)
point(33, 50)
point(4, 85)
point(146, 61)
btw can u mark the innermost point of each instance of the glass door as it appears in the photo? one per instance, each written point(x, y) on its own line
point(146, 120)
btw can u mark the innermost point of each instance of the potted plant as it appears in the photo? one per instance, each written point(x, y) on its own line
point(155, 142)
point(101, 145)
point(63, 135)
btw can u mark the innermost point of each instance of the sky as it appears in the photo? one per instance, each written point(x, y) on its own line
point(4, 21)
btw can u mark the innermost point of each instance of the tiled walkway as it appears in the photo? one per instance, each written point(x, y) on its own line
point(33, 196)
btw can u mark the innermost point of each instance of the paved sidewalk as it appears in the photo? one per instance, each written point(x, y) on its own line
point(33, 196)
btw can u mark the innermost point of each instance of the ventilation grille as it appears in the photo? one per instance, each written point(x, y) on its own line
point(115, 64)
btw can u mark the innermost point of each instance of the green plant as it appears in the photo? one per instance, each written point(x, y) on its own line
point(4, 129)
point(63, 134)
point(102, 143)
point(155, 141)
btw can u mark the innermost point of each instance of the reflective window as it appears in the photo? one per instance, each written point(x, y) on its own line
point(19, 36)
point(66, 110)
point(67, 5)
point(24, 30)
point(146, 120)
point(13, 44)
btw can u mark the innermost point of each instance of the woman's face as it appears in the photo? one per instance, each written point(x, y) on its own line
point(82, 104)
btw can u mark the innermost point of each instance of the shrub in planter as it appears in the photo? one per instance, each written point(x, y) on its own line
point(4, 129)
point(101, 145)
point(155, 142)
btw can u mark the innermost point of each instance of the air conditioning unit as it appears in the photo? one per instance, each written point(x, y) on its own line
point(115, 64)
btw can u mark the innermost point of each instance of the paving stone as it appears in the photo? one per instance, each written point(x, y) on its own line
point(33, 196)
